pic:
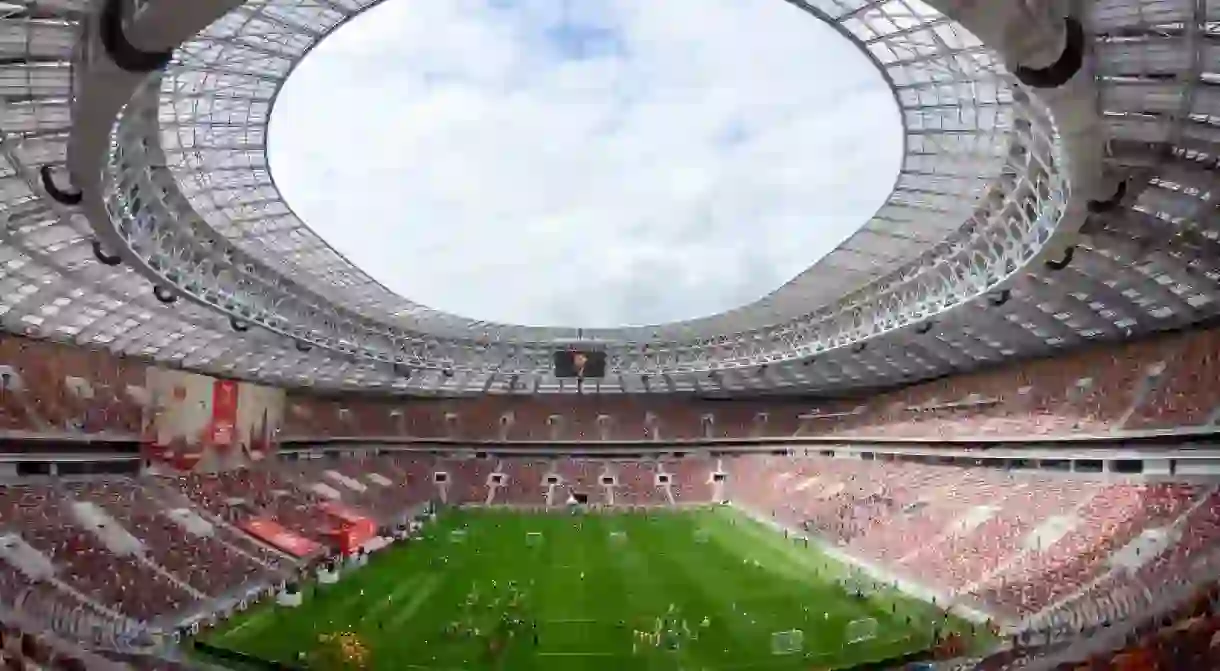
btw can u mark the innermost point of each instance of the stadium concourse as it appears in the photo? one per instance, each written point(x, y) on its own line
point(999, 395)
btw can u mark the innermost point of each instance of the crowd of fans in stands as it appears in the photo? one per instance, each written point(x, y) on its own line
point(1010, 544)
point(1036, 542)
point(1161, 384)
point(1017, 545)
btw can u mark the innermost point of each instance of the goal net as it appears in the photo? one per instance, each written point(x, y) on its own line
point(787, 642)
point(533, 538)
point(860, 583)
point(861, 630)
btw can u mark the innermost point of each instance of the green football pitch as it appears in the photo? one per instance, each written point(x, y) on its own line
point(693, 589)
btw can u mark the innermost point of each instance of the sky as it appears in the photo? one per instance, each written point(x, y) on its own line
point(591, 163)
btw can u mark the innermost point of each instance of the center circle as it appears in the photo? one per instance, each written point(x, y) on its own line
point(594, 164)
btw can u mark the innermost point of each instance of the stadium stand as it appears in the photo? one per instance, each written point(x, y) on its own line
point(636, 484)
point(109, 542)
point(1057, 551)
point(1021, 546)
point(1054, 551)
point(1162, 385)
point(25, 645)
point(1158, 385)
point(525, 484)
point(1018, 543)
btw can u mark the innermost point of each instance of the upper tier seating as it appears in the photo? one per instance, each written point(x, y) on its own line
point(52, 388)
point(1159, 384)
point(1166, 383)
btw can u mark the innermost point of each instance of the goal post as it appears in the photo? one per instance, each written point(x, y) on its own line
point(790, 642)
point(533, 538)
point(860, 584)
point(858, 631)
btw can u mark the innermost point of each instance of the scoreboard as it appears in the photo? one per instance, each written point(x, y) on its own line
point(580, 363)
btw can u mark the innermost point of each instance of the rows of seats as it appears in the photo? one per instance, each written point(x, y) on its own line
point(1111, 519)
point(527, 488)
point(468, 479)
point(240, 494)
point(50, 387)
point(637, 484)
point(1016, 543)
point(586, 418)
point(203, 562)
point(85, 564)
point(122, 551)
point(691, 479)
point(1165, 383)
point(22, 648)
point(384, 493)
point(579, 476)
point(1185, 637)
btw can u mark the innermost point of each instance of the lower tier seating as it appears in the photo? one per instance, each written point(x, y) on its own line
point(1028, 547)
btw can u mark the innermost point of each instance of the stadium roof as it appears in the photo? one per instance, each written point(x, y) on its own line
point(218, 94)
point(1027, 271)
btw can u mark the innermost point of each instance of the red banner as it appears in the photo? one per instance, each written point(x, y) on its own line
point(349, 539)
point(351, 529)
point(224, 412)
point(270, 531)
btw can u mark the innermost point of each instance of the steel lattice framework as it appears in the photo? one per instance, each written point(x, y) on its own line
point(217, 96)
point(1005, 260)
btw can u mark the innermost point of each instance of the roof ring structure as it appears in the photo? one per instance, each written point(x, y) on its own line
point(957, 107)
point(1149, 95)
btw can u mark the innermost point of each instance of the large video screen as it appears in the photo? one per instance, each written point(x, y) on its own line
point(580, 363)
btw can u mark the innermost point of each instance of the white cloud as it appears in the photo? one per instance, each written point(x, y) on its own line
point(591, 163)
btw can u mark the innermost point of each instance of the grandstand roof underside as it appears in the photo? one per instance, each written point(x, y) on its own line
point(1151, 263)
